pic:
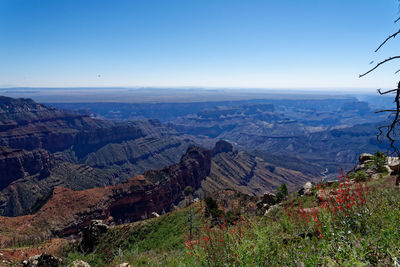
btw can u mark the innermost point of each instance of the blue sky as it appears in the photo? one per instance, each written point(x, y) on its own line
point(208, 43)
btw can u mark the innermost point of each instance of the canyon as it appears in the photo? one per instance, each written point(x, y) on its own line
point(42, 147)
point(66, 212)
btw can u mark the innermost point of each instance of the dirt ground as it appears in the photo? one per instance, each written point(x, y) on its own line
point(15, 256)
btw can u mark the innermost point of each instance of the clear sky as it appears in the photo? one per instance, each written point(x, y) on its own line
point(207, 43)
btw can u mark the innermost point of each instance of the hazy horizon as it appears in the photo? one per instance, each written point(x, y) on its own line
point(171, 95)
point(194, 87)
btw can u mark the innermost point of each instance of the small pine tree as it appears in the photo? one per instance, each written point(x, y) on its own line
point(212, 210)
point(379, 161)
point(281, 193)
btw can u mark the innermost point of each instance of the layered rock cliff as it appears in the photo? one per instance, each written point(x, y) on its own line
point(65, 212)
point(68, 211)
point(52, 147)
point(249, 174)
point(18, 163)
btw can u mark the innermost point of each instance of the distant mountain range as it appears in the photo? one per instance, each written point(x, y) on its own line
point(328, 131)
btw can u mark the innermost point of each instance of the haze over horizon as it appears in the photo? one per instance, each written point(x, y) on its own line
point(213, 44)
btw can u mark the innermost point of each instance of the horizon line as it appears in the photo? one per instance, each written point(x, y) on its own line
point(341, 89)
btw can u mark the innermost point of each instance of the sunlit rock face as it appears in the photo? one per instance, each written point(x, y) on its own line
point(42, 147)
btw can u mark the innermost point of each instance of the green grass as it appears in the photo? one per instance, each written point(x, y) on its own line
point(146, 241)
point(370, 236)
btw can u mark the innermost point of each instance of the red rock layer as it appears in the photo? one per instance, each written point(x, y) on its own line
point(68, 211)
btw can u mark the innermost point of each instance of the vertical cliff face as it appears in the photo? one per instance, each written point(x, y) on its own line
point(67, 211)
point(25, 124)
point(88, 152)
point(166, 189)
point(16, 164)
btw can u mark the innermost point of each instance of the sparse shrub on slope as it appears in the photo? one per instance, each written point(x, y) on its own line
point(349, 224)
point(359, 176)
point(282, 193)
point(352, 223)
point(379, 159)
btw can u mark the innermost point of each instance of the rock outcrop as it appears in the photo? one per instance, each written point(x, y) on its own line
point(364, 157)
point(369, 165)
point(236, 202)
point(165, 189)
point(18, 163)
point(42, 147)
point(394, 164)
point(91, 235)
point(43, 260)
point(222, 147)
point(79, 263)
point(249, 174)
point(307, 189)
point(68, 211)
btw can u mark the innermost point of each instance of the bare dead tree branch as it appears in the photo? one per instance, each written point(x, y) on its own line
point(387, 39)
point(390, 128)
point(386, 110)
point(377, 65)
point(391, 140)
point(390, 132)
point(397, 109)
point(389, 91)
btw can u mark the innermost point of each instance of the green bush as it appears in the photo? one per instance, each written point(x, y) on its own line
point(212, 210)
point(281, 193)
point(359, 176)
point(364, 235)
point(379, 159)
point(367, 236)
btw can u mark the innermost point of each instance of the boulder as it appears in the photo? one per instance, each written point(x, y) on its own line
point(306, 190)
point(368, 161)
point(271, 208)
point(91, 235)
point(154, 215)
point(359, 167)
point(125, 264)
point(43, 260)
point(32, 261)
point(364, 156)
point(393, 163)
point(269, 198)
point(375, 176)
point(79, 263)
point(262, 207)
point(389, 170)
point(371, 171)
point(266, 202)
